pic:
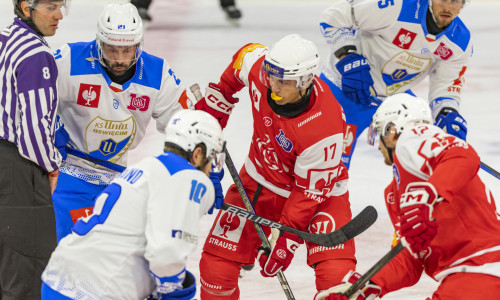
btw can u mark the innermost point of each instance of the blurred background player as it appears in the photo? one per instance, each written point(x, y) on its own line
point(109, 90)
point(228, 6)
point(29, 159)
point(397, 44)
point(293, 173)
point(438, 204)
point(145, 223)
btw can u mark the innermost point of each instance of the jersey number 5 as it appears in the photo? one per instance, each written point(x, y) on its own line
point(84, 225)
point(385, 3)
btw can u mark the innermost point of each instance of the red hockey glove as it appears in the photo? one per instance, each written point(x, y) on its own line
point(369, 291)
point(281, 255)
point(417, 225)
point(216, 104)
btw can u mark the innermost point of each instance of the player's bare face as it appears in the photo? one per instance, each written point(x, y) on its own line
point(46, 16)
point(445, 11)
point(118, 58)
point(388, 141)
point(284, 91)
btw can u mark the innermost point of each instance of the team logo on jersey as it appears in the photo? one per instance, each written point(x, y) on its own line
point(284, 142)
point(349, 139)
point(268, 121)
point(138, 103)
point(80, 213)
point(269, 155)
point(402, 69)
point(443, 51)
point(459, 82)
point(89, 95)
point(404, 38)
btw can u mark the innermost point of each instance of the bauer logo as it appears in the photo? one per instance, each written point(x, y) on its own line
point(404, 38)
point(284, 142)
point(140, 103)
point(89, 95)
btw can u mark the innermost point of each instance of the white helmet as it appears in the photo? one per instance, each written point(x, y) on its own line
point(291, 58)
point(120, 25)
point(188, 128)
point(400, 110)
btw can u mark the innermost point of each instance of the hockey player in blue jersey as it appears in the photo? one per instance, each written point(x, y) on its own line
point(109, 90)
point(383, 47)
point(145, 223)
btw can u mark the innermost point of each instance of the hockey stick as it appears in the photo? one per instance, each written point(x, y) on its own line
point(356, 226)
point(490, 170)
point(375, 269)
point(195, 89)
point(95, 160)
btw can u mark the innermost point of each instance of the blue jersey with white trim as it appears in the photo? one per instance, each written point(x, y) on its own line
point(401, 52)
point(106, 119)
point(146, 220)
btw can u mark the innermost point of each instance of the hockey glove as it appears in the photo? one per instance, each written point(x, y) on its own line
point(186, 292)
point(283, 245)
point(452, 122)
point(417, 225)
point(369, 291)
point(357, 83)
point(216, 104)
point(61, 138)
point(216, 177)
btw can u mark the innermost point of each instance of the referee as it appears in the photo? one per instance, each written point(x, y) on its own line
point(29, 161)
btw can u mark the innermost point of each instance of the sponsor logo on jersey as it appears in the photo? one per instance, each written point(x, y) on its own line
point(238, 62)
point(89, 95)
point(349, 139)
point(140, 103)
point(402, 69)
point(324, 180)
point(268, 121)
point(395, 173)
point(116, 103)
point(390, 198)
point(80, 213)
point(228, 227)
point(459, 82)
point(284, 142)
point(323, 248)
point(404, 38)
point(310, 119)
point(321, 223)
point(443, 51)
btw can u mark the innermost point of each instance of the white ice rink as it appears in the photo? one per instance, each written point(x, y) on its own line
point(197, 41)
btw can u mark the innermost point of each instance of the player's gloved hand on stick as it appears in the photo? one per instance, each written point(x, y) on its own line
point(61, 138)
point(283, 245)
point(216, 177)
point(357, 83)
point(369, 291)
point(187, 291)
point(216, 103)
point(417, 224)
point(452, 122)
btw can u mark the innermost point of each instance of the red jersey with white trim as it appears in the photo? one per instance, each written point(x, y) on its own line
point(468, 236)
point(297, 157)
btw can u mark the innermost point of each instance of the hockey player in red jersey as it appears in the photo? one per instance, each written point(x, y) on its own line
point(438, 204)
point(293, 173)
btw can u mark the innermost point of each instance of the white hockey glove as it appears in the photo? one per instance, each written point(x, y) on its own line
point(368, 292)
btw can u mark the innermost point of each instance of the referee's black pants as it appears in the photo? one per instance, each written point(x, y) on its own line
point(27, 225)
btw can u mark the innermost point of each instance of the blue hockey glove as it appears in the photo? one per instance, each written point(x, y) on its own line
point(216, 177)
point(357, 83)
point(187, 292)
point(61, 138)
point(451, 121)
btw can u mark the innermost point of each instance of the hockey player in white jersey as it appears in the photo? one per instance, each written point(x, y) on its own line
point(383, 47)
point(109, 90)
point(145, 223)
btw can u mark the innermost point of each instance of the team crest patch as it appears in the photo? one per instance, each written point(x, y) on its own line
point(404, 38)
point(140, 103)
point(284, 142)
point(89, 95)
point(443, 51)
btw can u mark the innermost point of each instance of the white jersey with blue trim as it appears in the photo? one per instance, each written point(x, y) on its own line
point(394, 38)
point(106, 119)
point(146, 220)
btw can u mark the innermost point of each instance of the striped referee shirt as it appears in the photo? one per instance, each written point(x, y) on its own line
point(28, 94)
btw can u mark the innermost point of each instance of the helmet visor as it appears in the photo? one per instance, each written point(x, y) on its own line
point(373, 133)
point(272, 74)
point(217, 159)
point(50, 6)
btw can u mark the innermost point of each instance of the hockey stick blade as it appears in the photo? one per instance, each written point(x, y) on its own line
point(356, 226)
point(374, 270)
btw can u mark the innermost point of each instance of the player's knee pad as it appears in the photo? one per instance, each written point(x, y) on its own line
point(218, 278)
point(331, 272)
